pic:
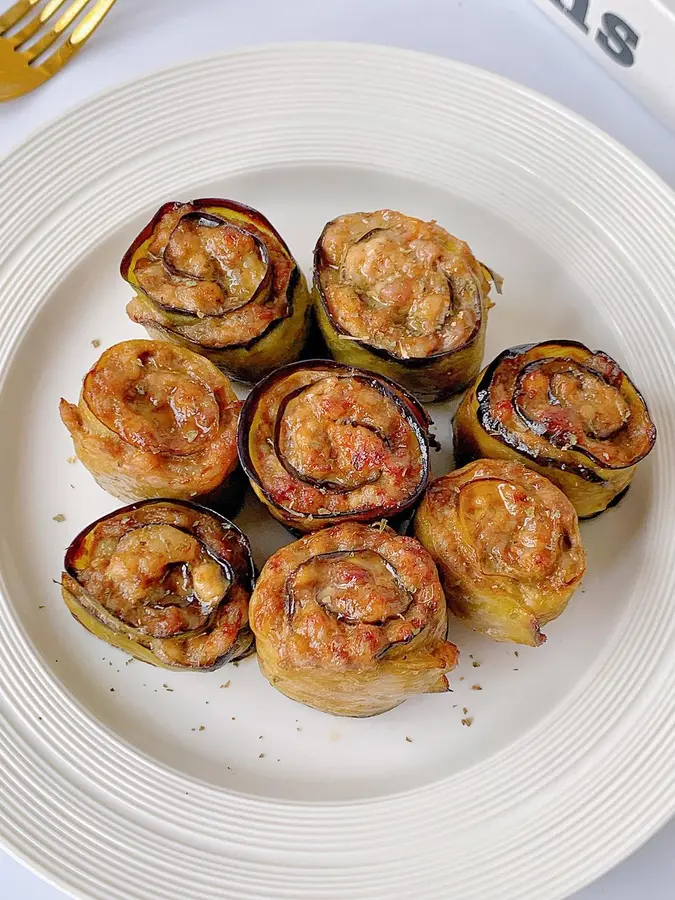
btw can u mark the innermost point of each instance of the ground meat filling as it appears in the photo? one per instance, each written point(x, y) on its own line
point(215, 281)
point(565, 403)
point(323, 443)
point(401, 284)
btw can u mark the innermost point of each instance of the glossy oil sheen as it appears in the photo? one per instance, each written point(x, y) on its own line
point(363, 759)
point(568, 759)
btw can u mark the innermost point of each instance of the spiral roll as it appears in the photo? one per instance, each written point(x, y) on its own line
point(352, 620)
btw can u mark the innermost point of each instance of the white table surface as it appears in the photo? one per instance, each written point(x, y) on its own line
point(508, 36)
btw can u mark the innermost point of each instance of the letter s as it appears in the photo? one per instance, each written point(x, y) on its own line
point(617, 39)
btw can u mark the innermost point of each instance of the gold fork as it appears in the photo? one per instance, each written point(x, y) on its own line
point(19, 71)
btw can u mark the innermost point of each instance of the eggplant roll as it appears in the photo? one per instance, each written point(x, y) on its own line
point(352, 620)
point(323, 443)
point(167, 581)
point(507, 544)
point(404, 298)
point(569, 413)
point(216, 277)
point(154, 420)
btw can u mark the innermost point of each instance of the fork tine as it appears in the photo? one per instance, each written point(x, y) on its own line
point(15, 13)
point(61, 24)
point(91, 21)
point(37, 21)
point(78, 38)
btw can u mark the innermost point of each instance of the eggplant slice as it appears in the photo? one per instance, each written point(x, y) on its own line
point(507, 545)
point(352, 620)
point(569, 413)
point(167, 581)
point(404, 298)
point(216, 277)
point(155, 420)
point(323, 443)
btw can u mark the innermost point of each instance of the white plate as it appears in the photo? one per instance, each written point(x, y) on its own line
point(568, 765)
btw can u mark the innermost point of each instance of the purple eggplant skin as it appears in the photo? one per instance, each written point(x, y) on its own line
point(432, 379)
point(409, 407)
point(92, 614)
point(252, 358)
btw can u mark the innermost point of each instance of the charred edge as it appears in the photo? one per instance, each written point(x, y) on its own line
point(415, 407)
point(257, 218)
point(211, 221)
point(538, 363)
point(253, 214)
point(242, 646)
point(613, 502)
point(414, 362)
point(247, 579)
point(202, 203)
point(202, 350)
point(292, 471)
point(402, 399)
point(499, 433)
point(289, 603)
point(144, 235)
point(409, 408)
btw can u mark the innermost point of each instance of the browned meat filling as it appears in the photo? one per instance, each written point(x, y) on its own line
point(401, 284)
